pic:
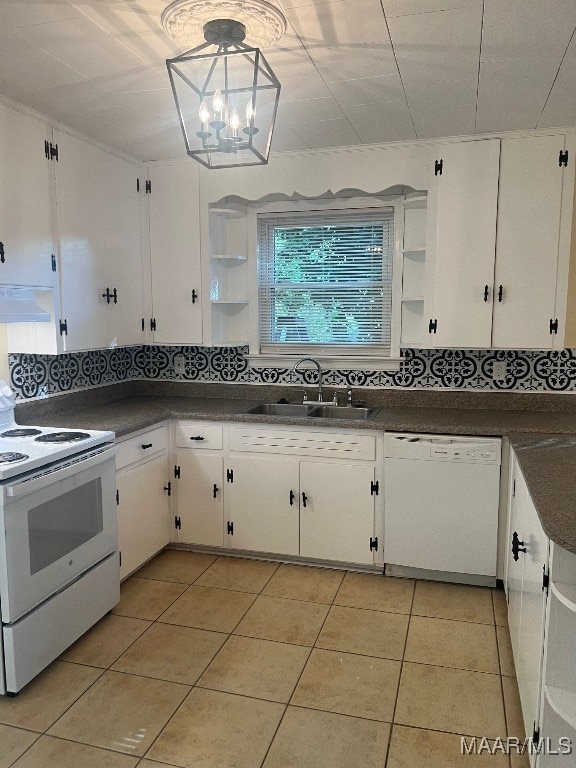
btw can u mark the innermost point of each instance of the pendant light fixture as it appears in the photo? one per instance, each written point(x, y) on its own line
point(225, 91)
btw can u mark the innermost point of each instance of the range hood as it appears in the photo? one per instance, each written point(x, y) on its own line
point(19, 304)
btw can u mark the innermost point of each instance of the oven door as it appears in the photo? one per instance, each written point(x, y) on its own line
point(55, 525)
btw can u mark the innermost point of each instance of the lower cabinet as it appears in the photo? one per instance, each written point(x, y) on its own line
point(199, 518)
point(143, 487)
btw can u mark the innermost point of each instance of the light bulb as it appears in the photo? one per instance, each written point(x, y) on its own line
point(218, 101)
point(204, 114)
point(250, 113)
point(234, 121)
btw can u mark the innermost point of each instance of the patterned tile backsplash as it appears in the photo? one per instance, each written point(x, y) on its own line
point(528, 371)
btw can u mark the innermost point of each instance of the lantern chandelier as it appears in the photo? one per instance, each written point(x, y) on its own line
point(225, 91)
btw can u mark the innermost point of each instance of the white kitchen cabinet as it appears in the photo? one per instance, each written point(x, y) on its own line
point(175, 253)
point(337, 512)
point(142, 481)
point(200, 510)
point(27, 247)
point(460, 242)
point(262, 504)
point(99, 224)
point(527, 600)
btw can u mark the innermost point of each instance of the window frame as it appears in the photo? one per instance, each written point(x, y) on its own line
point(330, 356)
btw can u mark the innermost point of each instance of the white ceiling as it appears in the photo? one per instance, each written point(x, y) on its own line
point(352, 71)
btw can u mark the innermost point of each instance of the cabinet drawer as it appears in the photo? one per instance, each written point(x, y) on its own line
point(326, 444)
point(141, 447)
point(206, 436)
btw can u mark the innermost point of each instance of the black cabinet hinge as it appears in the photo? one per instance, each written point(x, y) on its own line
point(177, 523)
point(374, 488)
point(563, 158)
point(63, 327)
point(176, 472)
point(120, 559)
point(168, 488)
point(554, 326)
point(111, 295)
point(513, 487)
point(54, 152)
point(545, 579)
point(117, 497)
point(230, 529)
point(143, 325)
point(2, 255)
point(148, 187)
point(438, 166)
point(536, 735)
point(47, 149)
point(432, 326)
point(229, 475)
point(152, 323)
point(53, 261)
point(137, 184)
point(374, 544)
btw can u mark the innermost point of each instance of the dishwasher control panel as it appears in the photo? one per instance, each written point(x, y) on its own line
point(468, 450)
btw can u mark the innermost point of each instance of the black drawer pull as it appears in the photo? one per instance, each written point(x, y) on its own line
point(291, 498)
point(517, 546)
point(486, 293)
point(197, 437)
point(145, 446)
point(304, 499)
point(215, 491)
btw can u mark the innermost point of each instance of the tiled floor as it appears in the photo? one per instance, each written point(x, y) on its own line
point(229, 663)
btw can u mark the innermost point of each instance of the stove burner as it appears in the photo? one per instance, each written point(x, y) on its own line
point(23, 432)
point(62, 437)
point(9, 456)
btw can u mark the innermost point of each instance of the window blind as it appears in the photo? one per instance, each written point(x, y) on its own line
point(325, 280)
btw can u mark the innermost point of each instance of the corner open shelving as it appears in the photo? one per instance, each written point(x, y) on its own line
point(413, 273)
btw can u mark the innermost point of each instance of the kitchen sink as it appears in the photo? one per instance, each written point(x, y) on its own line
point(313, 410)
point(343, 412)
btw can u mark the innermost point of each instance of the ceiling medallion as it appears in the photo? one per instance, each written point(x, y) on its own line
point(184, 20)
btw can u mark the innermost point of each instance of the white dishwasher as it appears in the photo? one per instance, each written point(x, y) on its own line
point(441, 498)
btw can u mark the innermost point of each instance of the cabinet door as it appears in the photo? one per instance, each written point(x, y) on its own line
point(143, 513)
point(460, 242)
point(25, 217)
point(529, 205)
point(200, 506)
point(514, 567)
point(175, 254)
point(262, 503)
point(336, 512)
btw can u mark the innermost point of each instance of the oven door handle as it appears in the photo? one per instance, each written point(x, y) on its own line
point(46, 477)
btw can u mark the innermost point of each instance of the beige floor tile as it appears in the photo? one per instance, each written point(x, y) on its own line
point(287, 621)
point(298, 582)
point(519, 760)
point(121, 712)
point(505, 650)
point(174, 565)
point(218, 730)
point(206, 608)
point(453, 601)
point(13, 742)
point(311, 739)
point(500, 607)
point(376, 592)
point(50, 694)
point(514, 718)
point(106, 641)
point(169, 652)
point(146, 598)
point(237, 573)
point(372, 633)
point(348, 684)
point(258, 668)
point(417, 748)
point(455, 700)
point(55, 753)
point(449, 643)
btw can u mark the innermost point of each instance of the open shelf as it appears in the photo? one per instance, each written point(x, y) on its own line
point(566, 594)
point(412, 298)
point(233, 211)
point(229, 301)
point(226, 258)
point(415, 253)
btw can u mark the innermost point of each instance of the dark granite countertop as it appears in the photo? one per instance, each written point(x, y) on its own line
point(544, 440)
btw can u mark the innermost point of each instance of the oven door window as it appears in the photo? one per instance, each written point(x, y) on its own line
point(59, 526)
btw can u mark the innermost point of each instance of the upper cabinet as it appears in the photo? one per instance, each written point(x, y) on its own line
point(26, 240)
point(175, 253)
point(460, 244)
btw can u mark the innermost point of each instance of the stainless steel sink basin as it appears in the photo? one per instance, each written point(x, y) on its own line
point(343, 412)
point(282, 409)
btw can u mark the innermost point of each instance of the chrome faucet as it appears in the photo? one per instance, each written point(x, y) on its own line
point(317, 364)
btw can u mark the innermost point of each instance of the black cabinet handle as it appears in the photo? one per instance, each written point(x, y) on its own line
point(486, 292)
point(500, 293)
point(215, 491)
point(197, 437)
point(517, 546)
point(2, 257)
point(194, 296)
point(168, 488)
point(291, 498)
point(304, 499)
point(145, 446)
